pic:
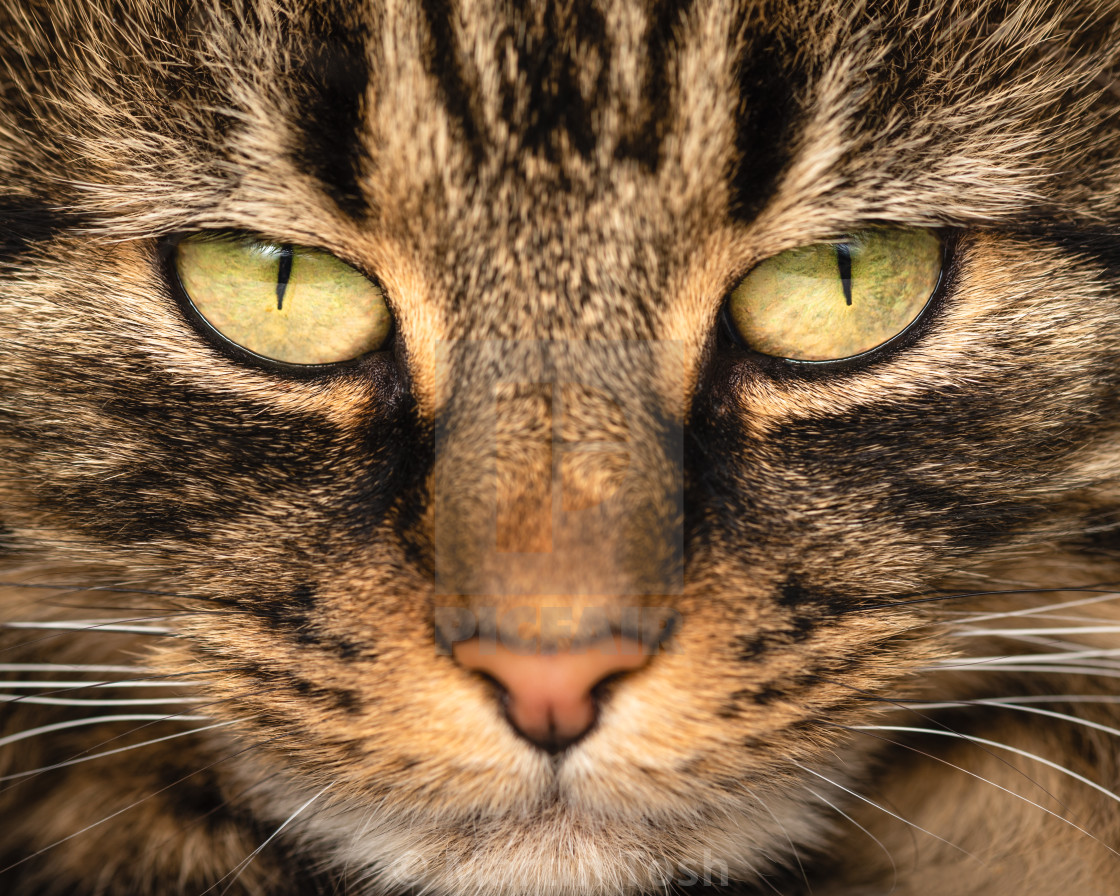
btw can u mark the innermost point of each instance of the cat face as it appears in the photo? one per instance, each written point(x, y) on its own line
point(543, 572)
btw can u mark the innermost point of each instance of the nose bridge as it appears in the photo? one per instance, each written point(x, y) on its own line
point(558, 473)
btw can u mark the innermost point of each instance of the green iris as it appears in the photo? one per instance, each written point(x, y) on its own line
point(282, 302)
point(830, 301)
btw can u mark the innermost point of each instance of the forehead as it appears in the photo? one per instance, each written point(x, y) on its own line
point(503, 116)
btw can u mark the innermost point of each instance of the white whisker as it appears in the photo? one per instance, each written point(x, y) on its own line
point(1015, 705)
point(842, 813)
point(105, 625)
point(122, 683)
point(63, 701)
point(995, 745)
point(238, 869)
point(883, 809)
point(69, 668)
point(1031, 611)
point(1063, 656)
point(1026, 698)
point(112, 815)
point(97, 720)
point(1049, 669)
point(989, 782)
point(1020, 632)
point(90, 758)
point(789, 840)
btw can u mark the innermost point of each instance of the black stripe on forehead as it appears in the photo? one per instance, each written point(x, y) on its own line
point(552, 64)
point(332, 76)
point(444, 64)
point(643, 142)
point(546, 96)
point(767, 109)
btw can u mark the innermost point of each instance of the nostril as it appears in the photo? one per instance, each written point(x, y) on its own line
point(552, 699)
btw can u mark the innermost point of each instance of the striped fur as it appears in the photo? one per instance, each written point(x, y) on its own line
point(560, 191)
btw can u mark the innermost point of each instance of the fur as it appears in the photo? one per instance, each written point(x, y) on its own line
point(894, 666)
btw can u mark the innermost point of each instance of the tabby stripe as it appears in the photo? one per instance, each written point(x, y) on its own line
point(27, 222)
point(334, 77)
point(765, 121)
point(330, 697)
point(643, 143)
point(551, 60)
point(444, 64)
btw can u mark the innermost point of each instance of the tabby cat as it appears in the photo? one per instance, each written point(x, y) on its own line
point(580, 448)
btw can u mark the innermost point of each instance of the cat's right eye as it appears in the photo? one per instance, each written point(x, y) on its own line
point(282, 302)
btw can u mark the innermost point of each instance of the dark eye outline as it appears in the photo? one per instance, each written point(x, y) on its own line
point(729, 340)
point(242, 355)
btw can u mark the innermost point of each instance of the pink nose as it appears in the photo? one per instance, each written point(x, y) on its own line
point(551, 697)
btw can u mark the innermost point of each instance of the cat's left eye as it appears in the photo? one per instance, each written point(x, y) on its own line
point(282, 302)
point(837, 300)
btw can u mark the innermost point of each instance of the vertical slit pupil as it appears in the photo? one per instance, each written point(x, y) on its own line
point(284, 275)
point(844, 263)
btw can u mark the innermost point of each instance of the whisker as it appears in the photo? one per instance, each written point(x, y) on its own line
point(53, 688)
point(1106, 589)
point(201, 819)
point(916, 709)
point(789, 840)
point(68, 667)
point(84, 685)
point(965, 620)
point(50, 768)
point(994, 745)
point(883, 809)
point(97, 720)
point(1039, 806)
point(62, 701)
point(1025, 698)
point(118, 588)
point(239, 869)
point(109, 625)
point(1011, 703)
point(886, 852)
point(1049, 669)
point(1030, 611)
point(1051, 643)
point(121, 811)
point(1021, 632)
point(1063, 656)
point(149, 722)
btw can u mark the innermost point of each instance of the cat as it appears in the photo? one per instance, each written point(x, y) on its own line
point(559, 449)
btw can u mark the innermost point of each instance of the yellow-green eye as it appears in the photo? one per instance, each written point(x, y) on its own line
point(831, 301)
point(283, 302)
